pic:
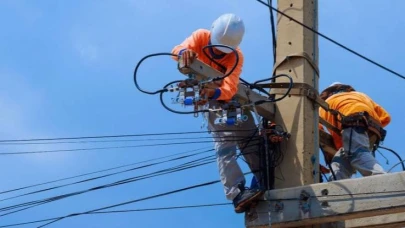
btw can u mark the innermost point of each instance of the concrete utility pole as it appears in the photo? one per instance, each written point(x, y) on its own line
point(298, 200)
point(298, 114)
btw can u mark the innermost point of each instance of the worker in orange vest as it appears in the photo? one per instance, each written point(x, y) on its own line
point(355, 127)
point(228, 29)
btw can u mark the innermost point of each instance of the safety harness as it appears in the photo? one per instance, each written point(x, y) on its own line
point(359, 119)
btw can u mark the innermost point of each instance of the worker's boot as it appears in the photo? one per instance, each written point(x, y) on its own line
point(243, 200)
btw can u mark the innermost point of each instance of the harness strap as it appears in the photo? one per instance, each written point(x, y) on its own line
point(363, 119)
point(303, 89)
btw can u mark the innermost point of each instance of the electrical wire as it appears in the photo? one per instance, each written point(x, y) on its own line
point(126, 211)
point(139, 64)
point(273, 32)
point(107, 141)
point(163, 208)
point(210, 46)
point(243, 81)
point(280, 98)
point(175, 111)
point(100, 210)
point(174, 55)
point(206, 184)
point(400, 162)
point(115, 136)
point(332, 40)
point(98, 171)
point(187, 165)
point(137, 200)
point(108, 148)
point(107, 175)
point(396, 154)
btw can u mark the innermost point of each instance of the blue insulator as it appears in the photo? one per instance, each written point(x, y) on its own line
point(230, 121)
point(188, 101)
point(244, 117)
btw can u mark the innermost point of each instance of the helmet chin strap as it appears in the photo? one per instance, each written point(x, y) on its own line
point(213, 54)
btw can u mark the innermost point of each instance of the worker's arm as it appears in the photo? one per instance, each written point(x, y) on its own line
point(229, 86)
point(193, 42)
point(384, 116)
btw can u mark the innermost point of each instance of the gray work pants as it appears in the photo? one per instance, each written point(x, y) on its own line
point(227, 139)
point(345, 164)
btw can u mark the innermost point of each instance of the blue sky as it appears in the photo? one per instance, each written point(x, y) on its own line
point(66, 70)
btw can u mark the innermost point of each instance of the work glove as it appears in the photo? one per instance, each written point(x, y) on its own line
point(188, 57)
point(207, 92)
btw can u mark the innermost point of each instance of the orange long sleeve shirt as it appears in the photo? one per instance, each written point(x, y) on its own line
point(196, 42)
point(349, 103)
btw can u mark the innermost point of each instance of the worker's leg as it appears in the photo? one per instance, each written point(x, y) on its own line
point(231, 175)
point(248, 144)
point(361, 158)
point(341, 166)
point(225, 146)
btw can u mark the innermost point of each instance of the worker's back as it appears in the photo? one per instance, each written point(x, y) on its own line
point(348, 103)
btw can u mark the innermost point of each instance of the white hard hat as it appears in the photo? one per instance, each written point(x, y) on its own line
point(335, 83)
point(228, 29)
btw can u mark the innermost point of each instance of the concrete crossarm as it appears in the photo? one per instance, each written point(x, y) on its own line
point(348, 200)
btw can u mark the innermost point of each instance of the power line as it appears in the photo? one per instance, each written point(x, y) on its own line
point(113, 141)
point(99, 210)
point(188, 165)
point(134, 201)
point(106, 175)
point(273, 31)
point(102, 148)
point(163, 208)
point(99, 171)
point(109, 148)
point(333, 41)
point(126, 211)
point(115, 136)
point(184, 166)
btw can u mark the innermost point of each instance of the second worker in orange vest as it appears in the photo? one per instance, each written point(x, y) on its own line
point(353, 142)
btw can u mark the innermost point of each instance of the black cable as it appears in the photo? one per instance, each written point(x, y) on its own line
point(105, 141)
point(224, 68)
point(273, 33)
point(280, 98)
point(113, 136)
point(333, 41)
point(126, 211)
point(99, 171)
point(163, 208)
point(137, 67)
point(172, 110)
point(107, 148)
point(213, 60)
point(136, 200)
point(396, 154)
point(178, 168)
point(328, 163)
point(188, 165)
point(107, 175)
point(171, 54)
point(99, 210)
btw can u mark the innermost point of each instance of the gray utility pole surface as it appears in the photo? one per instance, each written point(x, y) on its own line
point(298, 200)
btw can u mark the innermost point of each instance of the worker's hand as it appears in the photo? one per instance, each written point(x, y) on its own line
point(207, 92)
point(188, 57)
